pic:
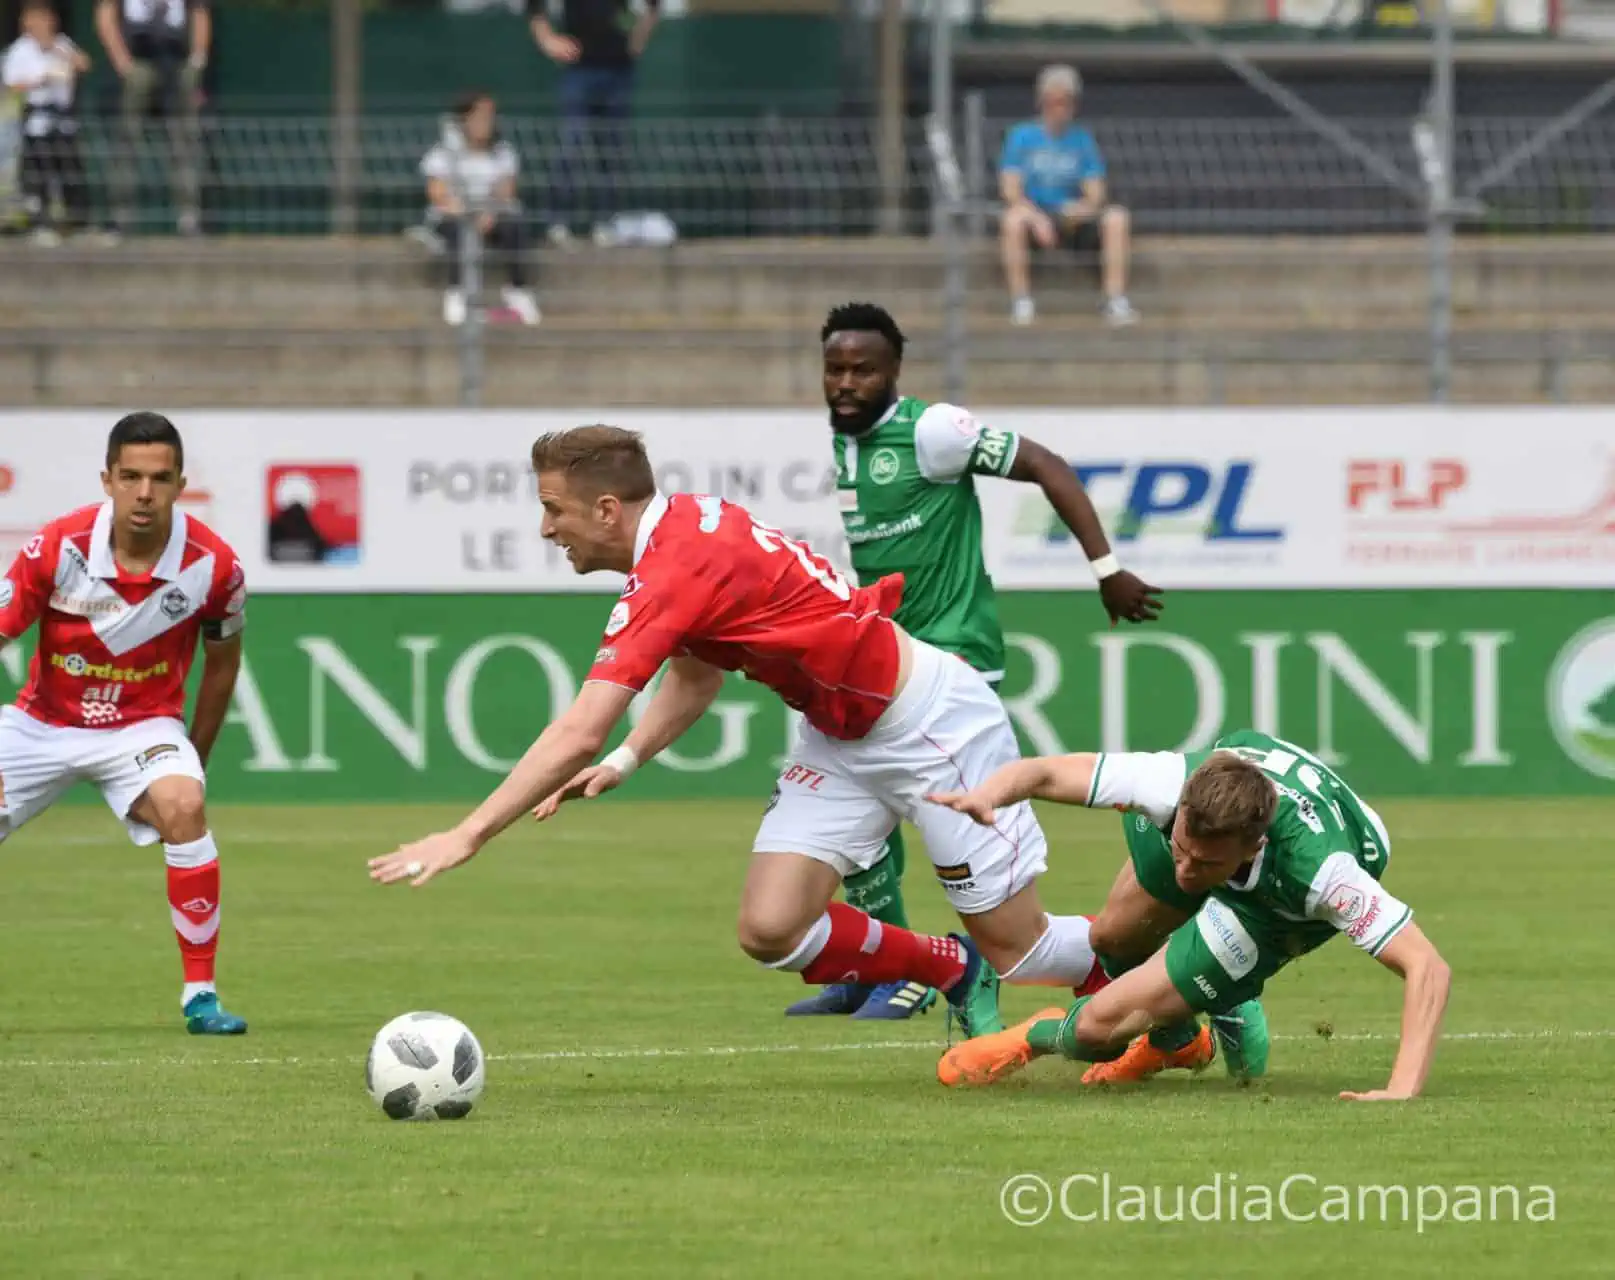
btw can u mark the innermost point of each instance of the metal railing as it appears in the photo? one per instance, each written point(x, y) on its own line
point(1268, 262)
point(777, 176)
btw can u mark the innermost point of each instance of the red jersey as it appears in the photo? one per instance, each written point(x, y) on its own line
point(710, 582)
point(115, 647)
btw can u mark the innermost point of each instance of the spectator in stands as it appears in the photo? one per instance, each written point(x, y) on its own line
point(597, 45)
point(159, 48)
point(1052, 179)
point(471, 183)
point(42, 68)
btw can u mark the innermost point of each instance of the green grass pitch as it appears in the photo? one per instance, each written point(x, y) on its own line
point(649, 1112)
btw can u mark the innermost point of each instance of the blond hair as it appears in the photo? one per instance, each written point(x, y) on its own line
point(599, 459)
point(1228, 797)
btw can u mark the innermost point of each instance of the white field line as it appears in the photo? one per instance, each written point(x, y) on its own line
point(732, 1051)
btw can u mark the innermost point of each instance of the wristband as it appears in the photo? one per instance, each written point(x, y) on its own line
point(624, 760)
point(1104, 567)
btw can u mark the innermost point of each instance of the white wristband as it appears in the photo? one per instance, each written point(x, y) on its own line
point(1104, 567)
point(623, 760)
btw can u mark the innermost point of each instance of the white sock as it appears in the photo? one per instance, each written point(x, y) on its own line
point(807, 951)
point(198, 853)
point(194, 989)
point(1062, 957)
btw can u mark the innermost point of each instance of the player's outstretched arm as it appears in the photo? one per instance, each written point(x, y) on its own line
point(1125, 595)
point(568, 744)
point(1063, 779)
point(221, 664)
point(1426, 981)
point(687, 690)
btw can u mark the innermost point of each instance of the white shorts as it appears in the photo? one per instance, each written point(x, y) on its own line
point(838, 801)
point(39, 761)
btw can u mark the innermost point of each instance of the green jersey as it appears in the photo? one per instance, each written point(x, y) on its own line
point(908, 504)
point(1316, 875)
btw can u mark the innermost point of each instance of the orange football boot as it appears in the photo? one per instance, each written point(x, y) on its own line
point(1142, 1060)
point(990, 1058)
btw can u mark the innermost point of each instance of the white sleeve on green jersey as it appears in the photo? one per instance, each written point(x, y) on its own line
point(1147, 782)
point(949, 441)
point(1346, 896)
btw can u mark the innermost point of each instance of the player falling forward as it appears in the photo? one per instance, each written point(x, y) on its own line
point(121, 592)
point(887, 718)
point(1289, 857)
point(905, 478)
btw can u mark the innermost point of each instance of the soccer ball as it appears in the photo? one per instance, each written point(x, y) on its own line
point(425, 1066)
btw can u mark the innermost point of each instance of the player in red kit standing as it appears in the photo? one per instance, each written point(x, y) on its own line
point(885, 718)
point(121, 593)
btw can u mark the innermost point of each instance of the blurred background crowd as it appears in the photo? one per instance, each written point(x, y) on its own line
point(651, 201)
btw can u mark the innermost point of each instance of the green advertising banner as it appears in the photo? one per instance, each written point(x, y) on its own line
point(1408, 692)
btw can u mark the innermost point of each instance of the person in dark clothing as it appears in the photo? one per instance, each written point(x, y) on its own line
point(597, 44)
point(159, 48)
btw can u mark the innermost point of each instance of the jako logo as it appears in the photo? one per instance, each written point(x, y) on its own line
point(1171, 498)
point(1209, 990)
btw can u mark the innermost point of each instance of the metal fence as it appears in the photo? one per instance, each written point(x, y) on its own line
point(779, 176)
point(1269, 264)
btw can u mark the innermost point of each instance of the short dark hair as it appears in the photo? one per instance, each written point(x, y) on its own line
point(40, 6)
point(469, 101)
point(1228, 797)
point(600, 458)
point(144, 427)
point(863, 317)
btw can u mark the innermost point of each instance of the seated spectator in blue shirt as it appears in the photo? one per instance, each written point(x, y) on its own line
point(1052, 179)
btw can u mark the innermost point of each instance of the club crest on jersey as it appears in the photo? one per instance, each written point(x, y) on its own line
point(630, 589)
point(884, 466)
point(618, 619)
point(175, 603)
point(7, 592)
point(152, 754)
point(34, 547)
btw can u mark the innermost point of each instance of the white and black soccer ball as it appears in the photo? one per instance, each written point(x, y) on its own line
point(425, 1066)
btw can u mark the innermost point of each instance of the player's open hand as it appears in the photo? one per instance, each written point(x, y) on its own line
point(420, 861)
point(1128, 598)
point(586, 784)
point(1377, 1095)
point(969, 803)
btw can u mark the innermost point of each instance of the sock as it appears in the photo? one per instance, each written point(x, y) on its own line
point(1062, 957)
point(1059, 1035)
point(858, 948)
point(1113, 967)
point(193, 903)
point(878, 892)
point(1175, 1035)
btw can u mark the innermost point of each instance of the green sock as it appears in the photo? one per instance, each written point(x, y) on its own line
point(1175, 1036)
point(1059, 1035)
point(1113, 967)
point(878, 891)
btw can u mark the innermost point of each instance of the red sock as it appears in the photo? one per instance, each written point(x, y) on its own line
point(1097, 979)
point(862, 949)
point(193, 902)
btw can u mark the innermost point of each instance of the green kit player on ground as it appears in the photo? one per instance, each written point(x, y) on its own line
point(1281, 855)
point(905, 481)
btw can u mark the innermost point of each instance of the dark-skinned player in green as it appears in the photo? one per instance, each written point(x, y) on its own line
point(905, 481)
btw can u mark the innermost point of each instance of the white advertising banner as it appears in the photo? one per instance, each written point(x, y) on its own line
point(383, 501)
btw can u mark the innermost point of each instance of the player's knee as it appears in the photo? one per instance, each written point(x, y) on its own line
point(1106, 935)
point(769, 936)
point(1115, 221)
point(178, 810)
